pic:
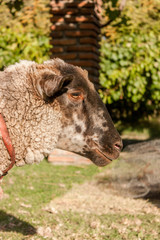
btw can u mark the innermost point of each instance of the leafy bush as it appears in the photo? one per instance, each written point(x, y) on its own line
point(25, 32)
point(30, 13)
point(15, 44)
point(130, 62)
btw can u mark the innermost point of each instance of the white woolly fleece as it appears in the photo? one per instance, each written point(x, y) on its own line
point(33, 125)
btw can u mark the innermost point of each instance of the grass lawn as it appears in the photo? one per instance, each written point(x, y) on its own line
point(24, 212)
point(140, 130)
point(27, 192)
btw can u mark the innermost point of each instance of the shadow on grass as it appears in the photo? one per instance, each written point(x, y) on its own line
point(153, 127)
point(150, 129)
point(127, 142)
point(9, 223)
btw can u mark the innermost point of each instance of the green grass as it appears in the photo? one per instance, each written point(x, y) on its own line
point(142, 129)
point(29, 189)
point(107, 227)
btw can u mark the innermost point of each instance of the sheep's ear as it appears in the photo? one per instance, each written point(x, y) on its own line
point(52, 84)
point(49, 84)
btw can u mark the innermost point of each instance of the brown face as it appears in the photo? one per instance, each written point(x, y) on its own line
point(87, 128)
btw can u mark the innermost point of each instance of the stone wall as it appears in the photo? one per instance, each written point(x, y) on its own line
point(75, 33)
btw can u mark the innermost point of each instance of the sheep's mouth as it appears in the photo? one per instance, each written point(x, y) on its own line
point(100, 152)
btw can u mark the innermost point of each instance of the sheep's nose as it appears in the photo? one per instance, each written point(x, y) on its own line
point(118, 145)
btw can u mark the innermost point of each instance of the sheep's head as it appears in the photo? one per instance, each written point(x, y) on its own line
point(87, 128)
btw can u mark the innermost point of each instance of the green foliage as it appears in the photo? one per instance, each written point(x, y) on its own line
point(24, 31)
point(130, 61)
point(16, 45)
point(30, 13)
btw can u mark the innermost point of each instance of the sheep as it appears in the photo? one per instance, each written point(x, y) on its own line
point(54, 105)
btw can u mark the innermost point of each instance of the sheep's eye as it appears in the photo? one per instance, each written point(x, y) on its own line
point(76, 95)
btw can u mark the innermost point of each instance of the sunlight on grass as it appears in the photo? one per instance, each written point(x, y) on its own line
point(29, 190)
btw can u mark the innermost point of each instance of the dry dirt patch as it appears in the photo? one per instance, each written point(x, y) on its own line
point(92, 212)
point(90, 198)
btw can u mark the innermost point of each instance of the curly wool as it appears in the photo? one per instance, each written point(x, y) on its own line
point(28, 118)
